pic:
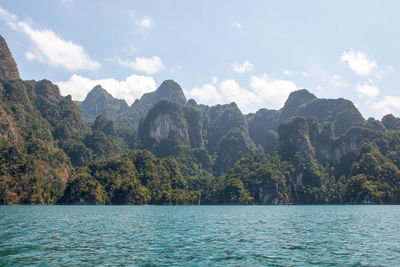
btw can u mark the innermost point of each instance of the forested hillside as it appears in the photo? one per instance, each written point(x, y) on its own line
point(166, 150)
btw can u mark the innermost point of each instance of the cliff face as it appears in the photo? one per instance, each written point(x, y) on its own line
point(168, 90)
point(8, 67)
point(100, 102)
point(164, 130)
point(7, 129)
point(294, 101)
point(163, 126)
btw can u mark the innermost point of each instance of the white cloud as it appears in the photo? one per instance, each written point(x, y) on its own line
point(368, 90)
point(305, 73)
point(388, 105)
point(320, 89)
point(131, 88)
point(287, 72)
point(290, 73)
point(232, 91)
point(227, 91)
point(143, 64)
point(274, 92)
point(142, 23)
point(339, 81)
point(264, 93)
point(387, 70)
point(241, 68)
point(358, 62)
point(67, 2)
point(237, 25)
point(214, 79)
point(206, 93)
point(146, 23)
point(50, 48)
point(7, 17)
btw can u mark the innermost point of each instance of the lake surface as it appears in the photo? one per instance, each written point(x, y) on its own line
point(200, 235)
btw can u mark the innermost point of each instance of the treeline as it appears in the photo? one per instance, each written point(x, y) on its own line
point(185, 153)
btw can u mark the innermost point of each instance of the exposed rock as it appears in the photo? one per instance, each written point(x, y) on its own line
point(164, 129)
point(262, 127)
point(100, 102)
point(162, 126)
point(294, 101)
point(8, 67)
point(6, 127)
point(168, 90)
point(341, 112)
point(391, 122)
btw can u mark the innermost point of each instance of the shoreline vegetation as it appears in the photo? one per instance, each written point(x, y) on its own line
point(165, 149)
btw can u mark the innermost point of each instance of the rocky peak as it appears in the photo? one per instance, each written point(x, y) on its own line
point(8, 67)
point(294, 101)
point(164, 129)
point(98, 90)
point(168, 90)
point(391, 122)
point(99, 102)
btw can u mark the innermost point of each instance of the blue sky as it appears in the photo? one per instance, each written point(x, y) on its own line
point(251, 52)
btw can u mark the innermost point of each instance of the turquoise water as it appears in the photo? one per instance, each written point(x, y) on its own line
point(200, 235)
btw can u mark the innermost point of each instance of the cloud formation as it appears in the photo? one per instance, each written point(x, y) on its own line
point(237, 25)
point(207, 93)
point(66, 2)
point(241, 68)
point(130, 89)
point(388, 105)
point(50, 48)
point(359, 62)
point(264, 92)
point(146, 23)
point(339, 81)
point(274, 92)
point(144, 64)
point(367, 90)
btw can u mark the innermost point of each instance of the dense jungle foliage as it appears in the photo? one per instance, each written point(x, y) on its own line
point(167, 150)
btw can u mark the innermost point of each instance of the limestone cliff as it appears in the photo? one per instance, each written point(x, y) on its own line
point(164, 131)
point(168, 90)
point(8, 67)
point(99, 102)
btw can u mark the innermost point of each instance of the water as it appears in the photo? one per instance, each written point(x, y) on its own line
point(200, 235)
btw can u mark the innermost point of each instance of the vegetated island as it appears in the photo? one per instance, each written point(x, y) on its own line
point(165, 149)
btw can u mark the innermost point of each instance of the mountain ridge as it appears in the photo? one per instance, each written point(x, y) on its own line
point(320, 151)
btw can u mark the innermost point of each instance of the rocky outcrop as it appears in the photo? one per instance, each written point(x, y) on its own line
point(163, 126)
point(164, 130)
point(294, 101)
point(100, 102)
point(391, 122)
point(262, 126)
point(168, 90)
point(341, 112)
point(7, 129)
point(294, 136)
point(8, 67)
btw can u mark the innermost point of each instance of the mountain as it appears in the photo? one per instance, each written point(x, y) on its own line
point(99, 102)
point(168, 90)
point(340, 112)
point(294, 101)
point(173, 151)
point(37, 131)
point(8, 67)
point(164, 131)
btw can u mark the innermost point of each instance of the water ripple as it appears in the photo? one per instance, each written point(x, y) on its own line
point(200, 235)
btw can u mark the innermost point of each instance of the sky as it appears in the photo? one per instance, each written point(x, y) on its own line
point(251, 52)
